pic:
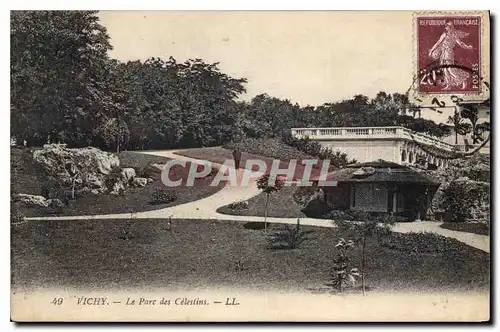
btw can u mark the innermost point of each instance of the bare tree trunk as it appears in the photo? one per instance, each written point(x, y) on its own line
point(117, 144)
point(265, 212)
point(456, 136)
point(474, 132)
point(73, 189)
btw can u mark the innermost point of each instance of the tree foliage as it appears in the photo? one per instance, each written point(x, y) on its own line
point(66, 88)
point(60, 85)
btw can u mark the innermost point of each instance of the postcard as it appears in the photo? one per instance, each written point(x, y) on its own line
point(250, 166)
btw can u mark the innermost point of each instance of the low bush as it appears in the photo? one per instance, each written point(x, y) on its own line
point(113, 177)
point(288, 237)
point(464, 200)
point(317, 208)
point(254, 225)
point(148, 172)
point(52, 189)
point(163, 196)
point(243, 205)
point(337, 159)
point(420, 243)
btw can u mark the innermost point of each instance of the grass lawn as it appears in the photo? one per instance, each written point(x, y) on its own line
point(281, 204)
point(27, 179)
point(112, 254)
point(25, 174)
point(221, 155)
point(468, 227)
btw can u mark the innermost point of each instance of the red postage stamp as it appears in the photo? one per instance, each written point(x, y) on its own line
point(449, 54)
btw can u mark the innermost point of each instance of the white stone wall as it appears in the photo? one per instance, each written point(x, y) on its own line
point(364, 151)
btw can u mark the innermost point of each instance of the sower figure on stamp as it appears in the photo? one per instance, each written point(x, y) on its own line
point(443, 52)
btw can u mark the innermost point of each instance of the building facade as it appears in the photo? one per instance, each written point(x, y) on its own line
point(393, 144)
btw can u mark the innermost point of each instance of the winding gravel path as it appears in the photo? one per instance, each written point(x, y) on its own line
point(206, 209)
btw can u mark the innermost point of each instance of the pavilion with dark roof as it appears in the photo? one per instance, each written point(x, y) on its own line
point(380, 187)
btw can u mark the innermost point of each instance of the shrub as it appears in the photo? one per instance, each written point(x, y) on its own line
point(243, 205)
point(287, 237)
point(304, 194)
point(254, 225)
point(315, 149)
point(52, 189)
point(163, 196)
point(56, 206)
point(316, 208)
point(149, 171)
point(419, 243)
point(113, 177)
point(343, 274)
point(460, 198)
point(263, 184)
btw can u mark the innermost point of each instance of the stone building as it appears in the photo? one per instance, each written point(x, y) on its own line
point(381, 187)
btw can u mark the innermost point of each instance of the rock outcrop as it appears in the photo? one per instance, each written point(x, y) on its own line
point(140, 182)
point(89, 165)
point(89, 170)
point(38, 201)
point(128, 174)
point(32, 200)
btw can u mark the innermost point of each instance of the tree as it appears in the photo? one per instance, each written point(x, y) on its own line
point(180, 104)
point(58, 75)
point(427, 126)
point(384, 110)
point(459, 126)
point(481, 129)
point(115, 131)
point(365, 227)
point(343, 273)
point(268, 189)
point(471, 113)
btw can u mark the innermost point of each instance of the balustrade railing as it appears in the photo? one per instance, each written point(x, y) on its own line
point(370, 132)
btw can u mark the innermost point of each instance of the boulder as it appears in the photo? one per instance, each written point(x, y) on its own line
point(61, 162)
point(88, 168)
point(32, 200)
point(128, 174)
point(139, 182)
point(94, 182)
point(150, 180)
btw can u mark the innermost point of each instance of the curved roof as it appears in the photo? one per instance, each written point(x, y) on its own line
point(376, 164)
point(381, 171)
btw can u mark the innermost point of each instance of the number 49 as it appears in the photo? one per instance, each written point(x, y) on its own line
point(57, 301)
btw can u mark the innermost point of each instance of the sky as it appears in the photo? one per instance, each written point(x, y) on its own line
point(307, 57)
